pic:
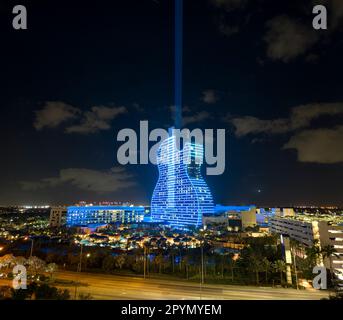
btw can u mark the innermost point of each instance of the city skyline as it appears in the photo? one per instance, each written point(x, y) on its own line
point(77, 85)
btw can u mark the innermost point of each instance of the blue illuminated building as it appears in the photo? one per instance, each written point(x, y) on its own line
point(181, 196)
point(99, 215)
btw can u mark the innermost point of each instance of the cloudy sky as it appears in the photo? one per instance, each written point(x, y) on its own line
point(256, 68)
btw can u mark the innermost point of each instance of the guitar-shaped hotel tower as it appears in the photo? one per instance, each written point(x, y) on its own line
point(181, 195)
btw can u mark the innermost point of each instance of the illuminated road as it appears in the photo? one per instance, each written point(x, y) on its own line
point(120, 287)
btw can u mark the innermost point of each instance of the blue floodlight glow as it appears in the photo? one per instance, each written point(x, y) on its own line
point(93, 215)
point(181, 196)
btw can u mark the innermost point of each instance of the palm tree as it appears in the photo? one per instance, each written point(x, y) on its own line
point(280, 266)
point(255, 265)
point(159, 260)
point(186, 263)
point(232, 263)
point(295, 248)
point(266, 266)
point(327, 252)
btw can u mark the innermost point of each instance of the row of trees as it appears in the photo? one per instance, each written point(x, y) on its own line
point(34, 264)
point(34, 291)
point(259, 262)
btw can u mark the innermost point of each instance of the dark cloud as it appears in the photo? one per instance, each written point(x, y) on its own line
point(252, 125)
point(210, 96)
point(190, 116)
point(301, 117)
point(86, 179)
point(53, 114)
point(323, 146)
point(197, 117)
point(288, 38)
point(312, 145)
point(230, 5)
point(99, 118)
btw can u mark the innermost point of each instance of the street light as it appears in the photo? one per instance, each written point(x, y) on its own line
point(87, 256)
point(295, 268)
point(80, 263)
point(31, 251)
point(144, 260)
point(79, 267)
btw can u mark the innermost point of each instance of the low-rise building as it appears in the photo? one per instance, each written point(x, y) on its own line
point(237, 218)
point(57, 216)
point(100, 215)
point(307, 230)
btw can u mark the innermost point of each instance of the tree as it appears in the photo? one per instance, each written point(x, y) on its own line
point(40, 292)
point(36, 265)
point(327, 252)
point(51, 268)
point(159, 260)
point(280, 266)
point(20, 260)
point(108, 263)
point(266, 267)
point(186, 264)
point(7, 261)
point(313, 253)
point(46, 292)
point(232, 263)
point(255, 265)
point(119, 261)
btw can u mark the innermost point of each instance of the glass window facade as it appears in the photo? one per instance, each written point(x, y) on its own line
point(90, 215)
point(181, 196)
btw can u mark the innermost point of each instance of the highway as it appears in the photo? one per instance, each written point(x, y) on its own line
point(113, 287)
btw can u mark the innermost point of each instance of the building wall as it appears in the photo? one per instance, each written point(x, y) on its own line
point(248, 218)
point(57, 215)
point(307, 231)
point(332, 235)
point(92, 215)
point(222, 219)
point(299, 230)
point(181, 196)
point(236, 217)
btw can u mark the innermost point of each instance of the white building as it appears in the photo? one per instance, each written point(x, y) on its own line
point(237, 217)
point(306, 231)
point(57, 216)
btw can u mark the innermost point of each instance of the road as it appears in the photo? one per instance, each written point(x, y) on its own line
point(112, 287)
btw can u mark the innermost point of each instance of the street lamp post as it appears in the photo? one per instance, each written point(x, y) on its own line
point(78, 269)
point(80, 263)
point(295, 270)
point(144, 261)
point(202, 263)
point(31, 251)
point(87, 257)
point(202, 280)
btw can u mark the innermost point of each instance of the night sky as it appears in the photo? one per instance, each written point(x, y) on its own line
point(257, 68)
